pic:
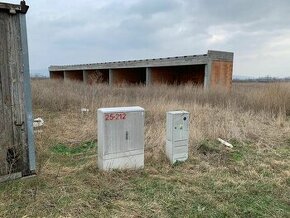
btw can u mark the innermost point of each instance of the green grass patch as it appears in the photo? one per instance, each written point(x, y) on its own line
point(209, 147)
point(240, 151)
point(260, 199)
point(237, 156)
point(178, 163)
point(214, 148)
point(160, 197)
point(72, 150)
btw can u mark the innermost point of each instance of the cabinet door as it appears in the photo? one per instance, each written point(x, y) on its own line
point(114, 136)
point(125, 134)
point(134, 130)
point(180, 127)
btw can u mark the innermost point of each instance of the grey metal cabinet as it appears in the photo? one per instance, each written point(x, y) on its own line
point(120, 138)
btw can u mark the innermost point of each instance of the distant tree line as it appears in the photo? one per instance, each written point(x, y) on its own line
point(38, 77)
point(266, 79)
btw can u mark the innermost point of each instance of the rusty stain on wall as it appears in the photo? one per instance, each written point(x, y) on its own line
point(221, 74)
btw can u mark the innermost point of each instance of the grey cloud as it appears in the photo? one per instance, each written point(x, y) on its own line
point(148, 8)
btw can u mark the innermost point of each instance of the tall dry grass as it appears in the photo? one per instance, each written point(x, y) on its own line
point(249, 112)
point(56, 95)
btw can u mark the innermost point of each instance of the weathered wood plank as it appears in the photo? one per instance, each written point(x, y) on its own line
point(6, 139)
point(15, 65)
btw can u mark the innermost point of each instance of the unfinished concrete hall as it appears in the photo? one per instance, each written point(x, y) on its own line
point(213, 69)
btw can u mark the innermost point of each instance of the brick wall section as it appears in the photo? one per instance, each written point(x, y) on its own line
point(57, 75)
point(192, 74)
point(221, 74)
point(98, 76)
point(178, 75)
point(162, 75)
point(130, 75)
point(74, 75)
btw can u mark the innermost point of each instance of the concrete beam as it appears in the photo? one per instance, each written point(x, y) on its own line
point(159, 62)
point(220, 55)
point(65, 77)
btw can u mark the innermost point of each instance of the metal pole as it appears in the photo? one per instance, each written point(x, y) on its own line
point(27, 94)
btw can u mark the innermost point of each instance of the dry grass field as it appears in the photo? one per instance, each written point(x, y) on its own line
point(250, 180)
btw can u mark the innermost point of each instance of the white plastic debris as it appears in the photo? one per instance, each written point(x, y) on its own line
point(84, 111)
point(200, 208)
point(38, 122)
point(38, 131)
point(225, 143)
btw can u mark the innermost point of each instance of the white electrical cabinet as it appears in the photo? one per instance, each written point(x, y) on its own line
point(177, 135)
point(120, 138)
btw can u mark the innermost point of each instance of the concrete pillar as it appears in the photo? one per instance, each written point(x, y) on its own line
point(85, 76)
point(111, 77)
point(207, 75)
point(65, 75)
point(148, 76)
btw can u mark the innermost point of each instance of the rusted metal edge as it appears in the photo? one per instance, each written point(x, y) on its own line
point(14, 9)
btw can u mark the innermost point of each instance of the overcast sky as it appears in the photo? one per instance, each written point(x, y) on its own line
point(89, 31)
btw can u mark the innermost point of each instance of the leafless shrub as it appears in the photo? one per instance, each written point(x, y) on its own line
point(95, 78)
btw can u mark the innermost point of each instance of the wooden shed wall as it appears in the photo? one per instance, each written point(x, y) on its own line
point(13, 124)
